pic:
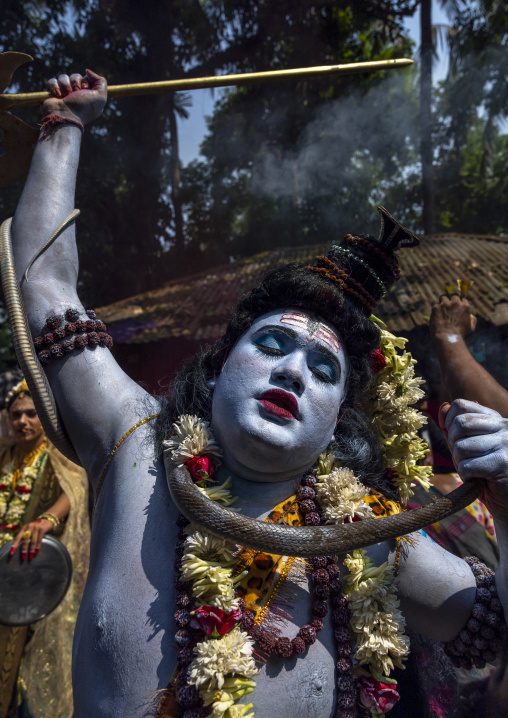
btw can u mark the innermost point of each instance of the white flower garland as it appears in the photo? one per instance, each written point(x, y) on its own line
point(222, 667)
point(375, 616)
point(13, 502)
point(395, 420)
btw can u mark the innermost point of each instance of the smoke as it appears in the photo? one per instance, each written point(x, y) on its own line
point(351, 155)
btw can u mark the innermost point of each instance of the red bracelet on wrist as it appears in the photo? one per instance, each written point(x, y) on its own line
point(53, 120)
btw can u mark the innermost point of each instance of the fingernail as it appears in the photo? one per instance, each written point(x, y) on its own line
point(12, 551)
point(23, 555)
point(31, 554)
point(37, 551)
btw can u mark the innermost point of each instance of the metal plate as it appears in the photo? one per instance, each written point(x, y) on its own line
point(31, 589)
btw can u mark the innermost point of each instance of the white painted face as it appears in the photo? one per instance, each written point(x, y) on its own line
point(276, 401)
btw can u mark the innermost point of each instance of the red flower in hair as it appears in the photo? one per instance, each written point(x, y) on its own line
point(374, 694)
point(377, 360)
point(214, 621)
point(200, 467)
point(390, 474)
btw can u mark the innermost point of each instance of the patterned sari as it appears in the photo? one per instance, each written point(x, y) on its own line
point(35, 661)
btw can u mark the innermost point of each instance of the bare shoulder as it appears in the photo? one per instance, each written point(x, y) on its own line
point(436, 589)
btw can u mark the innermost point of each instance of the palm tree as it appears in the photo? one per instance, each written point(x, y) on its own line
point(429, 35)
point(426, 145)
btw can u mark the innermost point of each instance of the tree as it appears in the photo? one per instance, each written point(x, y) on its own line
point(293, 164)
point(426, 143)
point(471, 105)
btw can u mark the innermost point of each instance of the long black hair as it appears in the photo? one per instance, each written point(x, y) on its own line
point(293, 286)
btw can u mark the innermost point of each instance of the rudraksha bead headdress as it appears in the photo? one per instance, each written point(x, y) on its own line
point(363, 267)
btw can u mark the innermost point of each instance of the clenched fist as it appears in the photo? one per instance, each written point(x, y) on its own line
point(77, 96)
point(478, 440)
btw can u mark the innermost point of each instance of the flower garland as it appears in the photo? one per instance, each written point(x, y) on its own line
point(216, 657)
point(394, 419)
point(375, 618)
point(379, 628)
point(16, 485)
point(220, 664)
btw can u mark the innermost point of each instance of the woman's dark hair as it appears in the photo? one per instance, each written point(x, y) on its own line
point(11, 399)
point(333, 295)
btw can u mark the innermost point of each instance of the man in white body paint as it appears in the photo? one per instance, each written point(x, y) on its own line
point(284, 382)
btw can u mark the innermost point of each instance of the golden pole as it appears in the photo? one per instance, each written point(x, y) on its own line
point(150, 88)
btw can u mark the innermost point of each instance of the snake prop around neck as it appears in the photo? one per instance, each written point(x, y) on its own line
point(298, 541)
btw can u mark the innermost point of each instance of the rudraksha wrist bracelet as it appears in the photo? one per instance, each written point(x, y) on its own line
point(482, 636)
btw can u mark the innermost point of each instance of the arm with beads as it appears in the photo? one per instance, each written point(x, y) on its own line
point(97, 401)
point(444, 597)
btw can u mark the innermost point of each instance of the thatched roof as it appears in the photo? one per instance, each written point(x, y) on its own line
point(197, 307)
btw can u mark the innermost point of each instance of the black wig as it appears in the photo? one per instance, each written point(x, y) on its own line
point(361, 260)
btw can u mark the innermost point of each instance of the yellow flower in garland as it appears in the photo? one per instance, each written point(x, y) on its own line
point(208, 547)
point(224, 700)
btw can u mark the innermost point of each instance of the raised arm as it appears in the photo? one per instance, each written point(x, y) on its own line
point(451, 322)
point(97, 401)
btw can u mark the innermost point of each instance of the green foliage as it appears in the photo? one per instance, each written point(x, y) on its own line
point(292, 164)
point(471, 107)
point(282, 164)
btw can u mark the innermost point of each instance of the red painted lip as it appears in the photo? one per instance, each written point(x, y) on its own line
point(280, 402)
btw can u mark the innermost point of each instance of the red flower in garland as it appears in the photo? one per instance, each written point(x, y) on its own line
point(214, 621)
point(23, 490)
point(390, 474)
point(377, 361)
point(10, 527)
point(200, 467)
point(374, 694)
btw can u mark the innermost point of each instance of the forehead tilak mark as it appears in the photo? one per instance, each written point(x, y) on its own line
point(315, 328)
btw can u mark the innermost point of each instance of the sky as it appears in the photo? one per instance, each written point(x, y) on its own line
point(193, 130)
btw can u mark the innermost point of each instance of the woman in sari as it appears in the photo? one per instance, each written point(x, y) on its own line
point(40, 492)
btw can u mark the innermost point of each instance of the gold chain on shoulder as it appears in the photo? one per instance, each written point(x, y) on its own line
point(113, 452)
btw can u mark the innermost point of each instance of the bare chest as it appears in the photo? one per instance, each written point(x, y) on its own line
point(301, 685)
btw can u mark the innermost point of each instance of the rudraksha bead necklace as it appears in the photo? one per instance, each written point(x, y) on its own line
point(326, 588)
